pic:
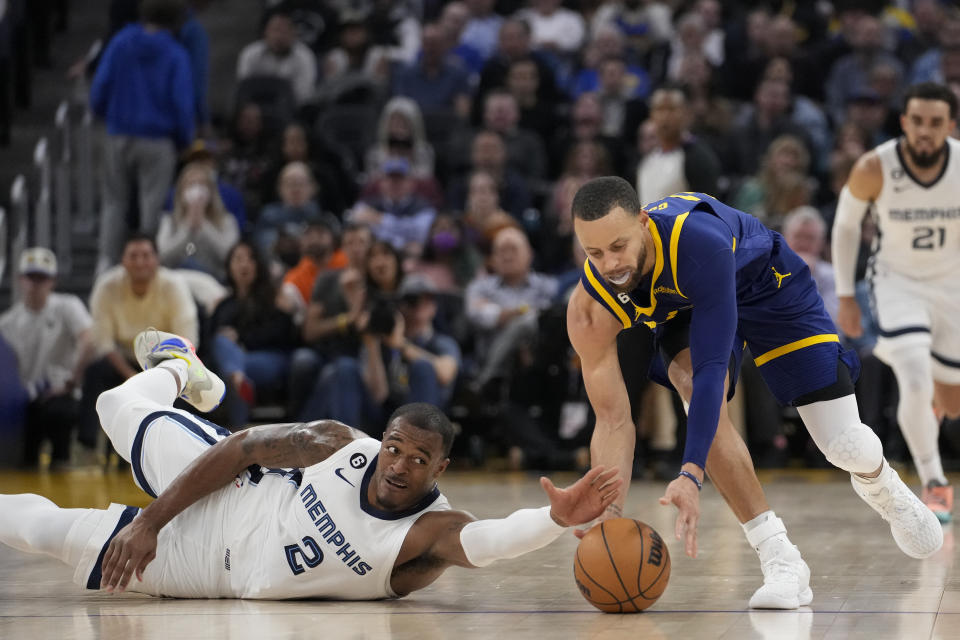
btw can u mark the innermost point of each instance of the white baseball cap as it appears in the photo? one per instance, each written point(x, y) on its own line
point(38, 260)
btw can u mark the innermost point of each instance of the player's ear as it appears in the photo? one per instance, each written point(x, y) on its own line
point(643, 216)
point(441, 468)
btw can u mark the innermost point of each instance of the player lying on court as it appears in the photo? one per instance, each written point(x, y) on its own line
point(709, 280)
point(277, 511)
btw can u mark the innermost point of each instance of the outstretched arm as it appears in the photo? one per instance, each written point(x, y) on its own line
point(276, 445)
point(440, 539)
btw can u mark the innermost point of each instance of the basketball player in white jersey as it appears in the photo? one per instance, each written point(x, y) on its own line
point(913, 184)
point(277, 511)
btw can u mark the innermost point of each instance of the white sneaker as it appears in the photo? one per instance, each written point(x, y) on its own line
point(915, 528)
point(786, 577)
point(203, 389)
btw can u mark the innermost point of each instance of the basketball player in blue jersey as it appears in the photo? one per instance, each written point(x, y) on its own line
point(709, 280)
point(912, 184)
point(315, 510)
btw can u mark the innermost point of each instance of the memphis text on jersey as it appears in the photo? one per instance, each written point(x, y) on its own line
point(310, 554)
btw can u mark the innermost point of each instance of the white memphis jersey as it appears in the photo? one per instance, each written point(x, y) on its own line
point(319, 538)
point(919, 225)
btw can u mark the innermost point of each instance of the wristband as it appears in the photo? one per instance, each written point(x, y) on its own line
point(342, 321)
point(696, 481)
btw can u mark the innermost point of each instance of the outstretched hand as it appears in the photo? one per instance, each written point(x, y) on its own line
point(684, 494)
point(131, 550)
point(585, 499)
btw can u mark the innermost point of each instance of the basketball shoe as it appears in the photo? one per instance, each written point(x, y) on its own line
point(203, 388)
point(939, 498)
point(915, 528)
point(786, 577)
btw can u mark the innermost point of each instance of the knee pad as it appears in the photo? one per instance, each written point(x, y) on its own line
point(856, 449)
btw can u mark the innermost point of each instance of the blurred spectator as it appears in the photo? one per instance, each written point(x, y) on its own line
point(866, 110)
point(586, 120)
point(803, 111)
point(806, 233)
point(483, 28)
point(483, 216)
point(645, 23)
point(622, 109)
point(608, 42)
point(488, 154)
point(453, 20)
point(436, 82)
point(340, 320)
point(554, 28)
point(193, 36)
point(449, 261)
point(395, 213)
point(317, 22)
point(536, 114)
point(328, 165)
point(297, 206)
point(252, 337)
point(199, 231)
point(245, 154)
point(201, 155)
point(929, 66)
point(525, 150)
point(127, 299)
point(678, 161)
point(356, 67)
point(143, 89)
point(400, 134)
point(281, 55)
point(319, 252)
point(513, 44)
point(503, 306)
point(395, 25)
point(691, 40)
point(781, 184)
point(51, 336)
point(850, 74)
point(767, 118)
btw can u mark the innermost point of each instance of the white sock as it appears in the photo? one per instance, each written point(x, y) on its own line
point(930, 468)
point(33, 524)
point(749, 525)
point(158, 385)
point(913, 370)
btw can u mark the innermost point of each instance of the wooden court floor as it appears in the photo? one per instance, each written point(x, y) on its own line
point(864, 587)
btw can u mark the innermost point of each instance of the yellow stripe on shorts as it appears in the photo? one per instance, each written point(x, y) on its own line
point(794, 346)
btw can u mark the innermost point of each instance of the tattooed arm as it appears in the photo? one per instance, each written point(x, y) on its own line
point(275, 445)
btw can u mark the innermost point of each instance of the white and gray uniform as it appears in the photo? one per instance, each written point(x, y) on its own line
point(272, 533)
point(913, 270)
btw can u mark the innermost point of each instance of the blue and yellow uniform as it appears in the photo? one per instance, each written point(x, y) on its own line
point(722, 281)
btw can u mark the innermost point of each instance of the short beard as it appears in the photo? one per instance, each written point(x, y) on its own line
point(631, 284)
point(925, 160)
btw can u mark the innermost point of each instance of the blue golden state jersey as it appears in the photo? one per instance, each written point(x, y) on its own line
point(659, 296)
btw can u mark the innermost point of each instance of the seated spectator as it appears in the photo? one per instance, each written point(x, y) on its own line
point(252, 337)
point(319, 252)
point(585, 124)
point(436, 82)
point(488, 154)
point(127, 299)
point(232, 199)
point(513, 44)
point(503, 306)
point(756, 127)
point(850, 74)
point(356, 66)
point(395, 213)
point(554, 29)
point(483, 217)
point(330, 167)
point(866, 110)
point(52, 338)
point(449, 261)
point(526, 154)
point(644, 24)
point(400, 134)
point(781, 185)
point(280, 54)
point(453, 20)
point(482, 29)
point(330, 324)
point(297, 206)
point(803, 112)
point(536, 114)
point(245, 155)
point(806, 233)
point(199, 231)
point(691, 40)
point(608, 42)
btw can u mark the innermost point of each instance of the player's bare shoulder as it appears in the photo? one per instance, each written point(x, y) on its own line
point(326, 435)
point(294, 445)
point(866, 177)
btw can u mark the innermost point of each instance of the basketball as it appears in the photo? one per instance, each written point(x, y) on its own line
point(621, 566)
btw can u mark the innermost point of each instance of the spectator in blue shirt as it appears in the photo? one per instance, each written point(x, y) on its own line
point(143, 90)
point(435, 81)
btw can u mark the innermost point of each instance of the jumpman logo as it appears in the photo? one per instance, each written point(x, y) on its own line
point(780, 277)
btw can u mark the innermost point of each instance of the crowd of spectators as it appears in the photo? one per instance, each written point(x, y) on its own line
point(384, 214)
